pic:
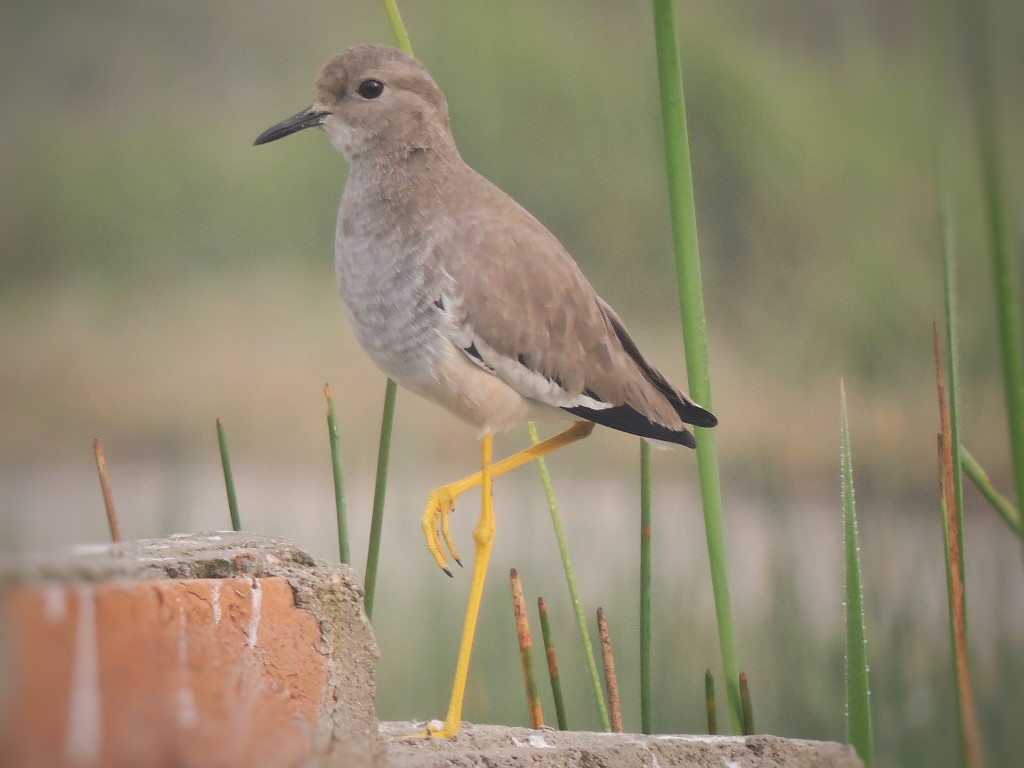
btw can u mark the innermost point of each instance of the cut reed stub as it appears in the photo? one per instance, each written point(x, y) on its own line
point(746, 707)
point(229, 480)
point(334, 439)
point(614, 706)
point(108, 497)
point(525, 651)
point(709, 699)
point(549, 652)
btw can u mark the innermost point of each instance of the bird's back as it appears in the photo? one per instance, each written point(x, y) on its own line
point(525, 310)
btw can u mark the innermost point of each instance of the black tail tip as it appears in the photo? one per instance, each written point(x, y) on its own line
point(699, 417)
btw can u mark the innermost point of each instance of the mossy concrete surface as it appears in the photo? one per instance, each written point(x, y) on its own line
point(227, 649)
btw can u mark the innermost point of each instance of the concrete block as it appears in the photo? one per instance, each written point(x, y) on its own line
point(206, 650)
point(491, 745)
point(231, 649)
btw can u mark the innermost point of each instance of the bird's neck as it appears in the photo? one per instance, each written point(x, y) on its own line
point(405, 177)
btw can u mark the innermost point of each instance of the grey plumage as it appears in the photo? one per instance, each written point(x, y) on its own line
point(452, 288)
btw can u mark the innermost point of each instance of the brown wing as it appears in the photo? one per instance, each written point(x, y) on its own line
point(521, 307)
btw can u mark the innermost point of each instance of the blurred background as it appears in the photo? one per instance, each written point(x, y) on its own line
point(158, 272)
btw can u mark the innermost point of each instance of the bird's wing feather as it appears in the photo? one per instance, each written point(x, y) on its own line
point(521, 307)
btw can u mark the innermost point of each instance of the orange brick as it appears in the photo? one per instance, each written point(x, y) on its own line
point(199, 672)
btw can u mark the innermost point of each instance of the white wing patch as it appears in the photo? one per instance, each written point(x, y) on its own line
point(512, 371)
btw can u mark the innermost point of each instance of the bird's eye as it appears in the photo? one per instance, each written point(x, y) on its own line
point(370, 89)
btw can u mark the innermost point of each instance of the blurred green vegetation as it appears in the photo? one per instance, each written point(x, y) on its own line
point(157, 271)
point(126, 138)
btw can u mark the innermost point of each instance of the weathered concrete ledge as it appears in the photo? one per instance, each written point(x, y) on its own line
point(228, 649)
point(213, 649)
point(492, 745)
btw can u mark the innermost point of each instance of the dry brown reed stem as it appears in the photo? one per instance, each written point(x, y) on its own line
point(614, 706)
point(525, 651)
point(108, 497)
point(973, 755)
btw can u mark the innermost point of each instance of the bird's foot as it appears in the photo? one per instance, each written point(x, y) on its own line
point(438, 730)
point(440, 504)
point(435, 729)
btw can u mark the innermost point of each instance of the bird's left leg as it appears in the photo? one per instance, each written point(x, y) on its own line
point(483, 538)
point(442, 500)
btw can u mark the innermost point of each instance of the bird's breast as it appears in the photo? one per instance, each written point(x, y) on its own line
point(391, 292)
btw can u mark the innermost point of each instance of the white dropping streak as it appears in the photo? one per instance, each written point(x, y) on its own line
point(187, 716)
point(537, 741)
point(215, 600)
point(82, 745)
point(55, 603)
point(254, 622)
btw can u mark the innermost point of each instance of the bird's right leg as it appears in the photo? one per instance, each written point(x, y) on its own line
point(441, 501)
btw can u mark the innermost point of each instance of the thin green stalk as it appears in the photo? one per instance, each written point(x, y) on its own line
point(746, 706)
point(645, 586)
point(397, 27)
point(549, 652)
point(952, 341)
point(1009, 314)
point(229, 481)
point(858, 702)
point(339, 482)
point(1001, 504)
point(379, 490)
point(709, 700)
point(691, 300)
point(390, 393)
point(574, 595)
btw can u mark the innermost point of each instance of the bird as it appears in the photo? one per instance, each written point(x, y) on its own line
point(461, 296)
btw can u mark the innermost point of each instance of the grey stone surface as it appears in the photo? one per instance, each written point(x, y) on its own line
point(498, 747)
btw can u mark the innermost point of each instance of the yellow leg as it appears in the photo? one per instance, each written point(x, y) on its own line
point(483, 538)
point(442, 500)
point(440, 504)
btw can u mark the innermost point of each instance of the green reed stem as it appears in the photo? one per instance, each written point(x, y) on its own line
point(549, 652)
point(858, 702)
point(645, 587)
point(574, 595)
point(379, 490)
point(390, 393)
point(339, 482)
point(229, 480)
point(691, 300)
point(952, 339)
point(1005, 270)
point(397, 27)
point(1001, 504)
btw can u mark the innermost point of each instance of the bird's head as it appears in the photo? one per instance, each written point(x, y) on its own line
point(373, 99)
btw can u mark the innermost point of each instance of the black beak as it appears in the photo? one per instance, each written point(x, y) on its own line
point(310, 117)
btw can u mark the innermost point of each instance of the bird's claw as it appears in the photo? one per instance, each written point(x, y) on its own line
point(435, 729)
point(440, 505)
